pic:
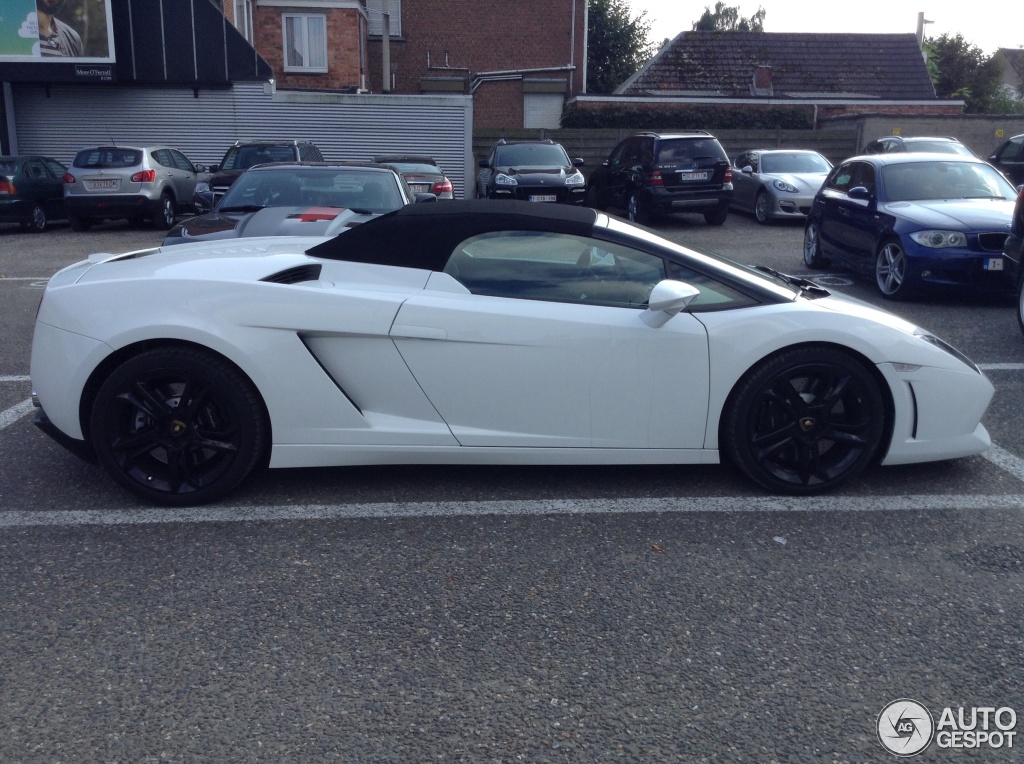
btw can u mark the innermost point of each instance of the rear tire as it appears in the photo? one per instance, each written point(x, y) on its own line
point(593, 199)
point(718, 216)
point(804, 420)
point(636, 210)
point(164, 218)
point(178, 426)
point(36, 221)
point(813, 258)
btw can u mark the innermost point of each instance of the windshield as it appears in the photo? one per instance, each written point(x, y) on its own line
point(689, 150)
point(938, 147)
point(794, 163)
point(531, 155)
point(917, 181)
point(363, 190)
point(243, 157)
point(7, 166)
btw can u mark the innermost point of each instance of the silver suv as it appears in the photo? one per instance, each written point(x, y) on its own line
point(133, 182)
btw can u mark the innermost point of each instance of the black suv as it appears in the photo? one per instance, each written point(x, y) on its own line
point(243, 155)
point(531, 171)
point(654, 173)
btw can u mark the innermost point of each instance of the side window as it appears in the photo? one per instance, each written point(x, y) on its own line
point(163, 157)
point(617, 153)
point(36, 169)
point(182, 162)
point(840, 180)
point(714, 295)
point(536, 265)
point(56, 167)
point(863, 175)
point(1013, 151)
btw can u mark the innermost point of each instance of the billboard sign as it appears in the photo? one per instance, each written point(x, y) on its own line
point(49, 31)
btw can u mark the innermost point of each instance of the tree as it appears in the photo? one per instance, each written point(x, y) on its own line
point(617, 44)
point(726, 18)
point(962, 70)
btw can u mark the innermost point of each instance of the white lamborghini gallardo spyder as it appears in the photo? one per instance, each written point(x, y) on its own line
point(482, 332)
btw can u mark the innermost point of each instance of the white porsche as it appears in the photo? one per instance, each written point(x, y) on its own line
point(482, 332)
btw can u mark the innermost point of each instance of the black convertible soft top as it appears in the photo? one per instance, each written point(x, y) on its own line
point(424, 235)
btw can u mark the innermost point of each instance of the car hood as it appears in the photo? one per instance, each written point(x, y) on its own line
point(958, 214)
point(269, 221)
point(808, 182)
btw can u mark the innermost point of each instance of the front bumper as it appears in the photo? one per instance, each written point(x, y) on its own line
point(984, 271)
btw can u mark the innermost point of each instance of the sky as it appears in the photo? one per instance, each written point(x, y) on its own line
point(990, 25)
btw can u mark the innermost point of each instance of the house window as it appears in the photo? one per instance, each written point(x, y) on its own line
point(373, 13)
point(305, 42)
point(243, 18)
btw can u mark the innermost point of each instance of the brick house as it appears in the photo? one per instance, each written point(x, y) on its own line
point(520, 67)
point(827, 75)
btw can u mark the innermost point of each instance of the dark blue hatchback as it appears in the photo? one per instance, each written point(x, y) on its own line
point(913, 221)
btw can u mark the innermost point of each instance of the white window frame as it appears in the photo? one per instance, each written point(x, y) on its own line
point(243, 18)
point(303, 23)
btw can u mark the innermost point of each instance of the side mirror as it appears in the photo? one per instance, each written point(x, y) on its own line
point(483, 163)
point(859, 192)
point(213, 168)
point(201, 168)
point(420, 198)
point(747, 170)
point(578, 162)
point(668, 298)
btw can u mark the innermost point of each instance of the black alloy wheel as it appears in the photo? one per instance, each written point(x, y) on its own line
point(178, 426)
point(804, 420)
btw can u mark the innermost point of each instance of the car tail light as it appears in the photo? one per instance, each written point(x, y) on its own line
point(7, 187)
point(654, 179)
point(728, 175)
point(442, 187)
point(146, 176)
point(69, 178)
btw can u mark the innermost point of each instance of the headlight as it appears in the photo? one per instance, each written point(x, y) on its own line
point(784, 186)
point(505, 180)
point(576, 179)
point(931, 339)
point(939, 239)
point(202, 187)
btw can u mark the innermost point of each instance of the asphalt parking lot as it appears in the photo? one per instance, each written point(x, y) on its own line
point(507, 614)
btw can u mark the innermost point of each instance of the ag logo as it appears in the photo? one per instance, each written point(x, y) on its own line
point(905, 727)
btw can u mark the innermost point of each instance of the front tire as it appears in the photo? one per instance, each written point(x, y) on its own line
point(813, 258)
point(593, 199)
point(164, 218)
point(804, 420)
point(178, 426)
point(891, 271)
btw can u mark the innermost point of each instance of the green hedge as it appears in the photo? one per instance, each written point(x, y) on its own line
point(686, 117)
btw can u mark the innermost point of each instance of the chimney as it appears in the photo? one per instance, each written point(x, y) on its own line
point(761, 85)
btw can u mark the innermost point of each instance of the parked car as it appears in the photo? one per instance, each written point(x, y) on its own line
point(777, 184)
point(897, 144)
point(299, 199)
point(129, 182)
point(31, 191)
point(423, 174)
point(482, 332)
point(913, 221)
point(1008, 158)
point(651, 174)
point(531, 171)
point(243, 155)
point(1013, 251)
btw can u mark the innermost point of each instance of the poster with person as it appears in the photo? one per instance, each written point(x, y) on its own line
point(56, 30)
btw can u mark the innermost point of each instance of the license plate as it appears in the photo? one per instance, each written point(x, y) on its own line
point(994, 264)
point(693, 176)
point(419, 188)
point(543, 198)
point(102, 185)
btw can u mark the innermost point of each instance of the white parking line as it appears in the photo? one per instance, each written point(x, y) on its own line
point(217, 514)
point(14, 413)
point(15, 379)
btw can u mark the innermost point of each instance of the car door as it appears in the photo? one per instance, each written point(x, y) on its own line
point(535, 357)
point(621, 166)
point(849, 225)
point(55, 197)
point(1009, 158)
point(40, 184)
point(185, 179)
